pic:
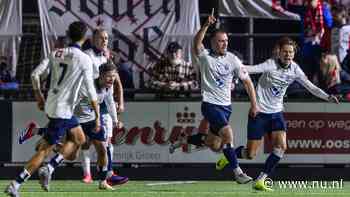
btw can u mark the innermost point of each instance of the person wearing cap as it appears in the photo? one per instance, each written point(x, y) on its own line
point(172, 72)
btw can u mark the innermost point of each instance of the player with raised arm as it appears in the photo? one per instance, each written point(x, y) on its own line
point(277, 74)
point(70, 67)
point(218, 66)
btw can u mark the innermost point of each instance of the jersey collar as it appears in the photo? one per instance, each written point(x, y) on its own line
point(97, 51)
point(213, 54)
point(282, 65)
point(75, 45)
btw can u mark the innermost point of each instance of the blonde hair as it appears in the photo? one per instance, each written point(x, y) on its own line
point(330, 69)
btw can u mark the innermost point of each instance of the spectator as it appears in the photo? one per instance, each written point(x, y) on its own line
point(125, 71)
point(314, 28)
point(329, 75)
point(172, 73)
point(340, 32)
point(7, 82)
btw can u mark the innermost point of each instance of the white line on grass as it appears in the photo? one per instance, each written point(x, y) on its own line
point(171, 183)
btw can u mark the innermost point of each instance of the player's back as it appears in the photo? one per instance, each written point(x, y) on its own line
point(68, 65)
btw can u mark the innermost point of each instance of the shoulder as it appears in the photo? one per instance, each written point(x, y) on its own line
point(232, 57)
point(203, 52)
point(296, 68)
point(89, 52)
point(270, 64)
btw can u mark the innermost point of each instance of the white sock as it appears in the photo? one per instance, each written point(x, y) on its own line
point(16, 184)
point(86, 162)
point(262, 176)
point(237, 171)
point(25, 175)
point(55, 161)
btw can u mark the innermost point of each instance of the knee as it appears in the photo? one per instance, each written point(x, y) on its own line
point(226, 136)
point(216, 147)
point(81, 140)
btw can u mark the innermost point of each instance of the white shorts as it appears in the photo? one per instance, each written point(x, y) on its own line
point(107, 125)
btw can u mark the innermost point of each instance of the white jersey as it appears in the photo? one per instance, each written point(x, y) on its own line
point(98, 58)
point(69, 68)
point(84, 110)
point(274, 82)
point(217, 73)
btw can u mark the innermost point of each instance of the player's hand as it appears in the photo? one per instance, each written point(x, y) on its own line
point(120, 108)
point(97, 125)
point(173, 85)
point(41, 103)
point(211, 19)
point(253, 111)
point(333, 99)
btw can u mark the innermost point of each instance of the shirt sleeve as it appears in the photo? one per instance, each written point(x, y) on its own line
point(304, 81)
point(240, 70)
point(88, 79)
point(259, 68)
point(111, 106)
point(42, 70)
point(203, 57)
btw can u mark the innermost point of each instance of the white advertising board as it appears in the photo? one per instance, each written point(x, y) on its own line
point(317, 132)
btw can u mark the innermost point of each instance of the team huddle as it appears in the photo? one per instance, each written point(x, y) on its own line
point(80, 105)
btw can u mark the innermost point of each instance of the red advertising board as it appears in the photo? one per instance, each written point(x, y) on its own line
point(316, 133)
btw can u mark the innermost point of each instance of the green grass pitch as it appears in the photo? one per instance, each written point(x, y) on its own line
point(70, 188)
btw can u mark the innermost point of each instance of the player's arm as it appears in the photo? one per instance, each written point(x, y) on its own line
point(42, 70)
point(118, 87)
point(199, 37)
point(304, 81)
point(91, 91)
point(111, 107)
point(258, 68)
point(249, 87)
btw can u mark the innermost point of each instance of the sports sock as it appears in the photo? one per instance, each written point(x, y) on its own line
point(22, 177)
point(230, 155)
point(86, 162)
point(197, 139)
point(54, 162)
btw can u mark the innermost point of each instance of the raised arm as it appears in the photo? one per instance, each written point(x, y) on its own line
point(199, 37)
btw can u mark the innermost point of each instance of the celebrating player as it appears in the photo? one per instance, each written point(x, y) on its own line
point(277, 74)
point(70, 67)
point(217, 70)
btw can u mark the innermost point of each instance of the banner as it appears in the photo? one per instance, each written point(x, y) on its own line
point(256, 9)
point(317, 133)
point(139, 29)
point(10, 32)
